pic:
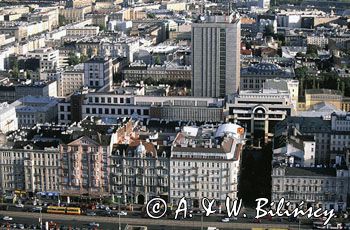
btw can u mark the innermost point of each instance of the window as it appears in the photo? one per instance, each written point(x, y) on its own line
point(106, 111)
point(112, 111)
point(93, 110)
point(87, 110)
point(121, 100)
point(97, 100)
point(61, 108)
point(99, 110)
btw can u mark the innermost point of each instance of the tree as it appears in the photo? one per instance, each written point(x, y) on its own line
point(301, 72)
point(151, 15)
point(269, 31)
point(73, 59)
point(280, 37)
point(311, 49)
point(83, 58)
point(157, 60)
point(102, 27)
point(62, 21)
point(15, 69)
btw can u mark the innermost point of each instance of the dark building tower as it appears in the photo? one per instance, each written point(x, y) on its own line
point(216, 55)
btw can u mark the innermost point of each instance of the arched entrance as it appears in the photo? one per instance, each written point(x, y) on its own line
point(140, 199)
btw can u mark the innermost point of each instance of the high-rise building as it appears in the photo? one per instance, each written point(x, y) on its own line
point(216, 55)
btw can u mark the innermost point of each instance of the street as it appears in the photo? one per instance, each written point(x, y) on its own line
point(112, 222)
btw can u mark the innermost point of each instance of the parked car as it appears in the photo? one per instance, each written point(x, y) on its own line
point(37, 209)
point(19, 205)
point(122, 213)
point(94, 224)
point(91, 213)
point(225, 220)
point(7, 218)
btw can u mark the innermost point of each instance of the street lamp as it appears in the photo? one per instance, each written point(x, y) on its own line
point(41, 219)
point(119, 197)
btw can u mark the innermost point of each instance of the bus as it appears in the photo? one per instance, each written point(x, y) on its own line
point(64, 210)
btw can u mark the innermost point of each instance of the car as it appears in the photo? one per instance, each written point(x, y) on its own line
point(37, 209)
point(122, 213)
point(19, 205)
point(94, 224)
point(91, 213)
point(233, 218)
point(20, 226)
point(7, 218)
point(225, 220)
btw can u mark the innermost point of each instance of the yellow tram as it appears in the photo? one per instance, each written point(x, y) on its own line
point(64, 210)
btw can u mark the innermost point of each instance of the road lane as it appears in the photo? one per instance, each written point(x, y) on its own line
point(140, 221)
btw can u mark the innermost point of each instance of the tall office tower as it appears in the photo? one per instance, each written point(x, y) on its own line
point(216, 55)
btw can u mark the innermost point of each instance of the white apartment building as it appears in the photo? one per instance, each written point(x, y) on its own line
point(49, 58)
point(98, 73)
point(320, 41)
point(325, 188)
point(205, 162)
point(70, 80)
point(29, 168)
point(8, 119)
point(83, 31)
point(114, 45)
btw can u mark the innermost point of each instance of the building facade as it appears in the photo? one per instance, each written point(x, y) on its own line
point(254, 77)
point(32, 110)
point(205, 162)
point(140, 172)
point(259, 111)
point(109, 105)
point(29, 168)
point(84, 164)
point(98, 73)
point(70, 80)
point(325, 188)
point(215, 56)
